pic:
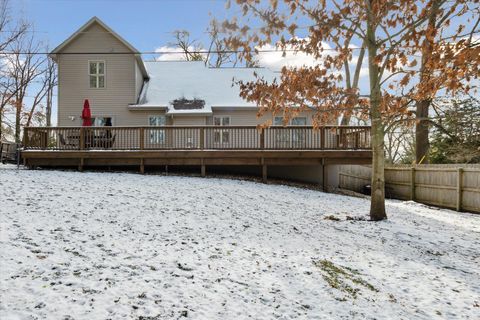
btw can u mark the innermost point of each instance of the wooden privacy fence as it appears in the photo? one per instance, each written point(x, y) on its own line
point(198, 137)
point(456, 187)
point(8, 151)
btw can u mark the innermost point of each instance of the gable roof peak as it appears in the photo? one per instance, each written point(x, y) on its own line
point(88, 24)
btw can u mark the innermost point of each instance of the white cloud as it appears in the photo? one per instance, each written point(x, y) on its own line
point(275, 60)
point(173, 53)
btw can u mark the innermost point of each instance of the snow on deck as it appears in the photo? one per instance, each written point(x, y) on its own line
point(120, 245)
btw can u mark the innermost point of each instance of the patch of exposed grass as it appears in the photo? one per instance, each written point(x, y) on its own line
point(331, 217)
point(345, 279)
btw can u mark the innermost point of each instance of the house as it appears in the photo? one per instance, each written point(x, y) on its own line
point(176, 113)
point(97, 64)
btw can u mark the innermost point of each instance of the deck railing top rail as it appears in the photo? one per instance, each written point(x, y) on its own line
point(331, 127)
point(198, 137)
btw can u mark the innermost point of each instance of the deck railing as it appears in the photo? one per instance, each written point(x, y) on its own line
point(198, 137)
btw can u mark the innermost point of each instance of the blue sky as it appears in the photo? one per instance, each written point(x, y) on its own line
point(146, 24)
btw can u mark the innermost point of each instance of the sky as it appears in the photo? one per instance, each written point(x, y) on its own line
point(146, 24)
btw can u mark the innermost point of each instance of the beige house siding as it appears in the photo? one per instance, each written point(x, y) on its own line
point(138, 81)
point(120, 79)
point(188, 120)
point(249, 117)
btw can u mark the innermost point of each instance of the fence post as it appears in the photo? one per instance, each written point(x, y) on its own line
point(459, 188)
point(202, 138)
point(142, 139)
point(82, 139)
point(412, 184)
point(322, 138)
point(25, 137)
point(262, 138)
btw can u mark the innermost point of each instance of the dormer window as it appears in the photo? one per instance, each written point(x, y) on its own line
point(97, 74)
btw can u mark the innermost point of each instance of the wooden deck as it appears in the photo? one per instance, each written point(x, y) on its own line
point(195, 146)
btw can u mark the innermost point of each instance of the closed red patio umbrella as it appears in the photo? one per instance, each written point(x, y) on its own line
point(86, 115)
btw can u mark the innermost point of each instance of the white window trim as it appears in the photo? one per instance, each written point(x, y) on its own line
point(156, 115)
point(220, 130)
point(288, 138)
point(104, 74)
point(164, 138)
point(306, 121)
point(221, 117)
point(102, 116)
point(290, 121)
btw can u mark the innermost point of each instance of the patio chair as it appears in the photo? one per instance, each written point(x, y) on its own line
point(64, 142)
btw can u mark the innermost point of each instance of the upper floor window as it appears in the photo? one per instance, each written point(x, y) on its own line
point(96, 71)
point(298, 121)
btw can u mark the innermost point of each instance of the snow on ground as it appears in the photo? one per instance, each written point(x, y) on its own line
point(122, 245)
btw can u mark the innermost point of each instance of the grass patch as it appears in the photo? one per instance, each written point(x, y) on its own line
point(344, 279)
point(331, 217)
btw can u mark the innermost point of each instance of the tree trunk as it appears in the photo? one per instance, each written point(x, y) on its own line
point(48, 110)
point(356, 78)
point(1, 124)
point(18, 118)
point(377, 203)
point(422, 144)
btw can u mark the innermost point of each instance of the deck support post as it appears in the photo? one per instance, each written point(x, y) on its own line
point(142, 166)
point(80, 166)
point(264, 171)
point(166, 169)
point(324, 176)
point(203, 169)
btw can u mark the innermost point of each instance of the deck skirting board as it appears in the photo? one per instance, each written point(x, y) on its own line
point(194, 157)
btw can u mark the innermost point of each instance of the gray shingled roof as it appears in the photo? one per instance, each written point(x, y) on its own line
point(170, 80)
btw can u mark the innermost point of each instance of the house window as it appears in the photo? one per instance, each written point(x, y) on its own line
point(221, 136)
point(298, 121)
point(290, 137)
point(96, 71)
point(101, 121)
point(157, 135)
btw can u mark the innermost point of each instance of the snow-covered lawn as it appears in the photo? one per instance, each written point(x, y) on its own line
point(121, 245)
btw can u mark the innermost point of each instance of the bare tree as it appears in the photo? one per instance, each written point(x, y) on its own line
point(10, 32)
point(442, 65)
point(219, 54)
point(399, 143)
point(44, 92)
point(190, 48)
point(25, 67)
point(51, 77)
